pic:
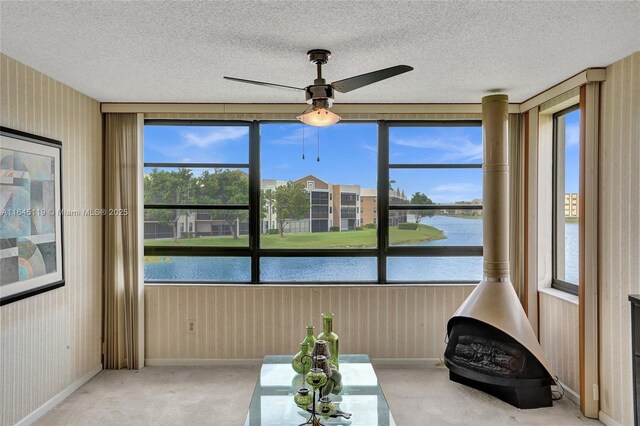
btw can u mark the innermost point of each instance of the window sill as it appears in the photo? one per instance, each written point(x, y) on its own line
point(307, 285)
point(558, 294)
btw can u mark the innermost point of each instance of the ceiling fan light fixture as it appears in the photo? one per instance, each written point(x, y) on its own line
point(319, 117)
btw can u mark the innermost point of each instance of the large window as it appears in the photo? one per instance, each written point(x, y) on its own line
point(434, 202)
point(278, 202)
point(566, 199)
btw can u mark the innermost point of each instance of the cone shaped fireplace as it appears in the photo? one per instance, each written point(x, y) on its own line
point(491, 345)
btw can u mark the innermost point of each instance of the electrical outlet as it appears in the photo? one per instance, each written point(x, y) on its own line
point(191, 326)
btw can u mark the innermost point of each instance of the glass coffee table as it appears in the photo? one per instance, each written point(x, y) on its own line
point(272, 401)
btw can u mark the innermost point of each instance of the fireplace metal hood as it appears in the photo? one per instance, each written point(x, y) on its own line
point(497, 304)
point(491, 344)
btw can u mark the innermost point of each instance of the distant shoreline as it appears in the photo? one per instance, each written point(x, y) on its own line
point(364, 238)
point(462, 216)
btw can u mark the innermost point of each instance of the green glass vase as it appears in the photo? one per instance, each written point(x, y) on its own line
point(330, 337)
point(310, 339)
point(297, 363)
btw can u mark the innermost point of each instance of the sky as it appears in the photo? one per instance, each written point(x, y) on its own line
point(348, 153)
point(572, 151)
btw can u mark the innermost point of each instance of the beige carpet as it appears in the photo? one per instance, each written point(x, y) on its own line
point(220, 396)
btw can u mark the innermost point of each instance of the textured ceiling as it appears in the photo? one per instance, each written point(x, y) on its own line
point(178, 51)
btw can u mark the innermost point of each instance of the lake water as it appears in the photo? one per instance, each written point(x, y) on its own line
point(571, 252)
point(459, 232)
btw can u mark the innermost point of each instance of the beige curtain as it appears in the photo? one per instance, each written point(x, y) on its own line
point(121, 289)
point(516, 204)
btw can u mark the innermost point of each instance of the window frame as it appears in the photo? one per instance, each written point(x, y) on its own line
point(562, 285)
point(381, 252)
point(204, 251)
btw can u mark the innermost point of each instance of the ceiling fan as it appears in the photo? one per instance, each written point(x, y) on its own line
point(320, 94)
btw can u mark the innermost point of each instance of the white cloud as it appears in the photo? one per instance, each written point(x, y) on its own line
point(370, 147)
point(214, 136)
point(457, 187)
point(453, 192)
point(572, 134)
point(444, 149)
point(295, 137)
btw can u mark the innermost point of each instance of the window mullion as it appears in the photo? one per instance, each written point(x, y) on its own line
point(254, 200)
point(383, 199)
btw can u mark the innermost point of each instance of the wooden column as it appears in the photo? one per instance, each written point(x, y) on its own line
point(588, 262)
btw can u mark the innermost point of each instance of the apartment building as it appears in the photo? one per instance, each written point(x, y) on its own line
point(346, 212)
point(369, 210)
point(469, 212)
point(571, 203)
point(369, 206)
point(332, 207)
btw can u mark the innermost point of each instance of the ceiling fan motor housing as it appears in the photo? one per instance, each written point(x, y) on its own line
point(319, 56)
point(319, 91)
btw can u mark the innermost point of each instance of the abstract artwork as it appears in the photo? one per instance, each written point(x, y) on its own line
point(30, 215)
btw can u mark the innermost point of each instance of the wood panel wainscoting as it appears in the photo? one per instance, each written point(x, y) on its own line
point(559, 339)
point(248, 322)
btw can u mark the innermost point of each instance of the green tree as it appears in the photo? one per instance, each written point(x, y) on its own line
point(168, 187)
point(421, 199)
point(224, 186)
point(291, 202)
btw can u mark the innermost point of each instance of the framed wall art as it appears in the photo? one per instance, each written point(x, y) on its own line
point(31, 249)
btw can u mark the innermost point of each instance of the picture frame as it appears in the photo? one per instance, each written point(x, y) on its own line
point(31, 215)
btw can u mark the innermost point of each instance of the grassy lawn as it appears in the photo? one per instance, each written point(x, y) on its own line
point(464, 216)
point(350, 239)
point(422, 234)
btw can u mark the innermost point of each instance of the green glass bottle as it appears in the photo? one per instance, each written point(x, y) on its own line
point(310, 339)
point(297, 364)
point(330, 337)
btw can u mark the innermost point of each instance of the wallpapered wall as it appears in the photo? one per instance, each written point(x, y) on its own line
point(559, 338)
point(619, 232)
point(49, 341)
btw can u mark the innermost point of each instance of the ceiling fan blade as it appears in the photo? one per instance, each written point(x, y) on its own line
point(262, 83)
point(353, 83)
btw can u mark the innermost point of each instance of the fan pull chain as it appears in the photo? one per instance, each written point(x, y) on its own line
point(318, 159)
point(303, 126)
